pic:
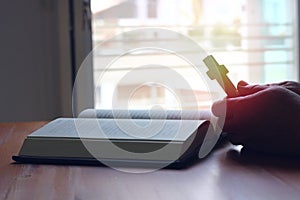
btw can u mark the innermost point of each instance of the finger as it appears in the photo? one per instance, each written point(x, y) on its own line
point(232, 118)
point(245, 90)
point(242, 83)
point(292, 86)
point(281, 83)
point(220, 109)
point(238, 111)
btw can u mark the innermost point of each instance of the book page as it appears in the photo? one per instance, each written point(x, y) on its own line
point(147, 114)
point(126, 129)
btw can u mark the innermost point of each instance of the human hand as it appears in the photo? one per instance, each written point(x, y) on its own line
point(246, 89)
point(264, 117)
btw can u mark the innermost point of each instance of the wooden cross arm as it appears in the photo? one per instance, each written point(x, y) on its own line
point(219, 72)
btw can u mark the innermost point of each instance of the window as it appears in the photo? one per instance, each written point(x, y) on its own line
point(256, 39)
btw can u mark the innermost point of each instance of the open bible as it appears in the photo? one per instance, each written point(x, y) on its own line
point(138, 138)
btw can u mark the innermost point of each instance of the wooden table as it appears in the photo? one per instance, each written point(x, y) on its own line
point(225, 174)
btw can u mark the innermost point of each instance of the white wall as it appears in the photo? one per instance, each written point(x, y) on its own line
point(35, 79)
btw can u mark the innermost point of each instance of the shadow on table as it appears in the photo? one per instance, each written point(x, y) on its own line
point(250, 157)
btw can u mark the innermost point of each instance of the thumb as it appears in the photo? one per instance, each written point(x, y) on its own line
point(245, 89)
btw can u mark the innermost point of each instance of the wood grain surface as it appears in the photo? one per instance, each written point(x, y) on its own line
point(227, 173)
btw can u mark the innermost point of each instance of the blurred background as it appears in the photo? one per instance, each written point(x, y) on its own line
point(44, 42)
point(256, 40)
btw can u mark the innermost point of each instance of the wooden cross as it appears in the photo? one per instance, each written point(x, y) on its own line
point(219, 72)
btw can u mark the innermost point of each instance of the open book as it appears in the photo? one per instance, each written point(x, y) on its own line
point(119, 137)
